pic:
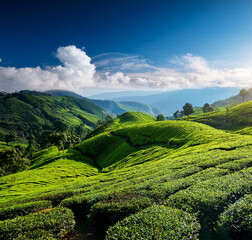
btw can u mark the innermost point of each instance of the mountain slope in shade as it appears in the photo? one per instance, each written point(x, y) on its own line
point(112, 106)
point(31, 112)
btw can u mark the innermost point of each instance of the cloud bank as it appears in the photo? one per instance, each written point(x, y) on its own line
point(76, 71)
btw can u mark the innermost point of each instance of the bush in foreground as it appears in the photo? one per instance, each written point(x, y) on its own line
point(23, 209)
point(236, 220)
point(156, 222)
point(108, 212)
point(53, 223)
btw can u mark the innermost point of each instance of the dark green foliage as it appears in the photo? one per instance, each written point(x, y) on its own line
point(81, 131)
point(187, 109)
point(23, 209)
point(60, 126)
point(10, 137)
point(161, 117)
point(11, 161)
point(207, 108)
point(157, 222)
point(54, 223)
point(236, 220)
point(81, 204)
point(107, 212)
point(176, 114)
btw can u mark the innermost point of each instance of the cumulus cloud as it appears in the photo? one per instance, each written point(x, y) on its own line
point(124, 71)
point(75, 72)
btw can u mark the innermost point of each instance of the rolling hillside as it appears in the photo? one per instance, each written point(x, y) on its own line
point(234, 118)
point(28, 112)
point(174, 179)
point(232, 101)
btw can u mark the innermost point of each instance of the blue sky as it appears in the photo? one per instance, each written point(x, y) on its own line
point(150, 35)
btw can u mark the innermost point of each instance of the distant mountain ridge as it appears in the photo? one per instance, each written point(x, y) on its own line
point(111, 106)
point(169, 102)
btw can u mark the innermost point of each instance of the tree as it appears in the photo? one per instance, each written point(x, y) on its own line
point(105, 123)
point(176, 114)
point(58, 139)
point(109, 120)
point(81, 131)
point(244, 94)
point(10, 137)
point(72, 140)
point(11, 161)
point(161, 117)
point(60, 126)
point(181, 113)
point(188, 109)
point(207, 108)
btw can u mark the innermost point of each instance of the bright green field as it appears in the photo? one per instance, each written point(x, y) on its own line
point(188, 167)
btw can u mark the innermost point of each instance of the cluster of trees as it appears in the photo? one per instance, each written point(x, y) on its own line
point(187, 110)
point(11, 161)
point(107, 122)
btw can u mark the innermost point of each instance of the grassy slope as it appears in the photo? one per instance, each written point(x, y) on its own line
point(22, 112)
point(236, 118)
point(177, 163)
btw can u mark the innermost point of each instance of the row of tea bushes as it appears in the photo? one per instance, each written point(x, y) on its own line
point(156, 222)
point(51, 223)
point(236, 220)
point(23, 209)
point(209, 198)
point(107, 212)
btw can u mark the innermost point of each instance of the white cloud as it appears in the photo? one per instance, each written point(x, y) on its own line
point(193, 72)
point(121, 71)
point(75, 72)
point(1, 60)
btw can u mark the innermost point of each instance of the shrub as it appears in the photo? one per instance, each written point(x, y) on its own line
point(23, 209)
point(107, 212)
point(53, 223)
point(236, 220)
point(81, 204)
point(156, 222)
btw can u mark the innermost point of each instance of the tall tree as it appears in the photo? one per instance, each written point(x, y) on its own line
point(244, 94)
point(207, 108)
point(188, 109)
point(176, 114)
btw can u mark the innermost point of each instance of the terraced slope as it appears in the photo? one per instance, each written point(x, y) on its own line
point(239, 116)
point(160, 175)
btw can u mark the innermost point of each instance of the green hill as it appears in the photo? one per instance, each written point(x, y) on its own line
point(234, 118)
point(161, 176)
point(111, 107)
point(31, 112)
point(232, 101)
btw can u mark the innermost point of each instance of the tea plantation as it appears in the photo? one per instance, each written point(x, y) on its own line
point(141, 179)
